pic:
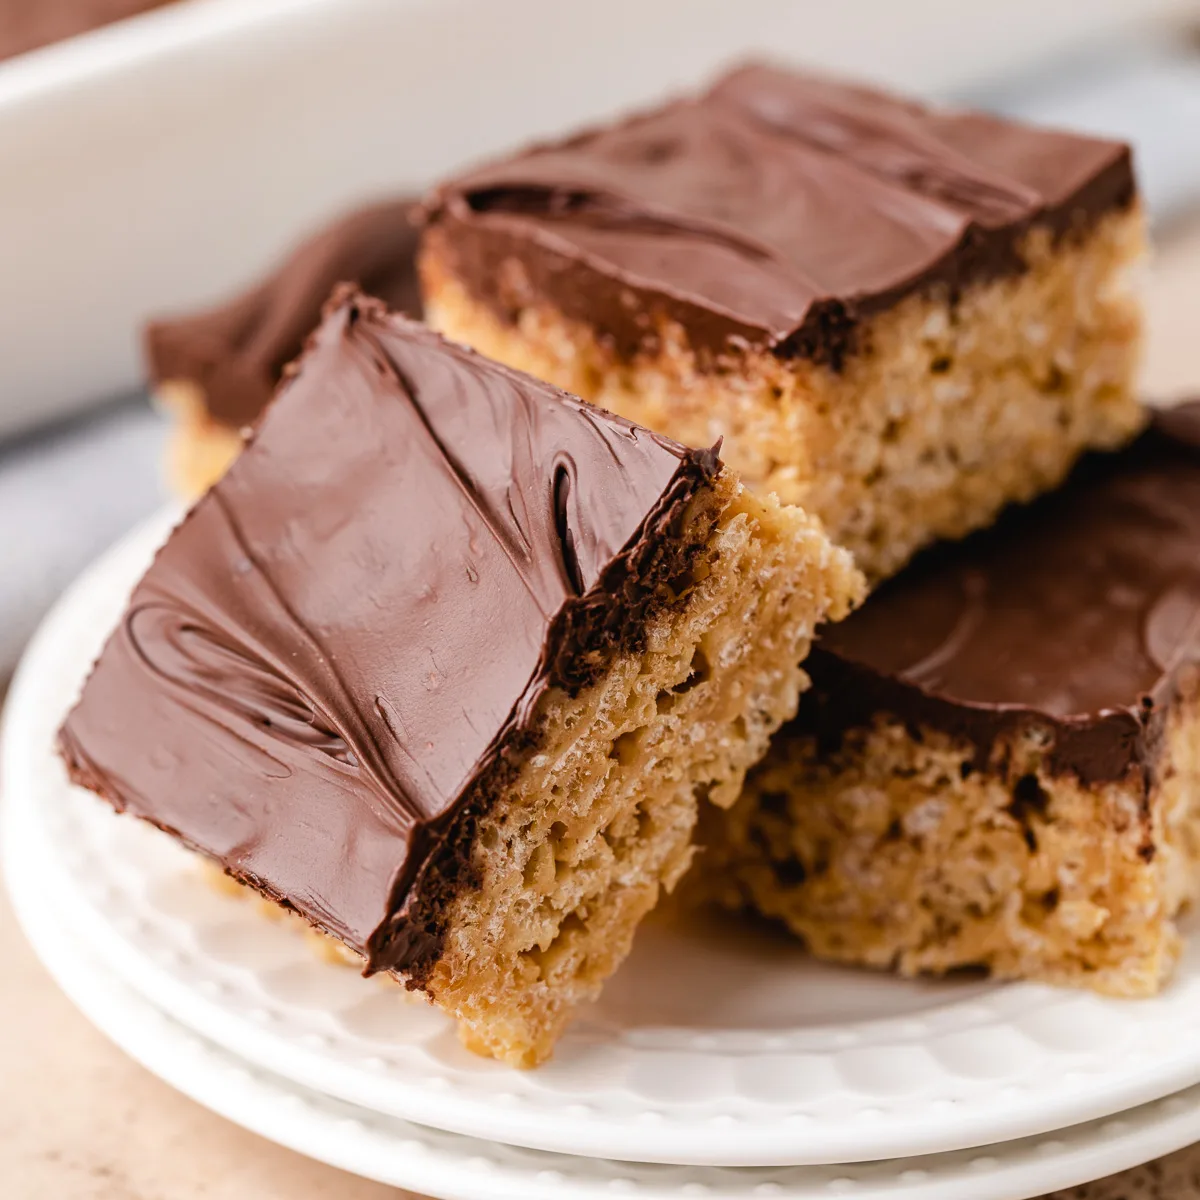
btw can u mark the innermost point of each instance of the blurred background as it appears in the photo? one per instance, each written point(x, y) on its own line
point(165, 160)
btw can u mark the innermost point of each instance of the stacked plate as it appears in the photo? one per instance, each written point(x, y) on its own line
point(721, 1062)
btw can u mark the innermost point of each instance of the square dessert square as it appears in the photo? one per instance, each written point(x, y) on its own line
point(998, 763)
point(215, 371)
point(446, 663)
point(900, 317)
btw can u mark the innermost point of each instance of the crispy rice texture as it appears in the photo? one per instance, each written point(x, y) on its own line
point(893, 852)
point(199, 449)
point(946, 412)
point(598, 823)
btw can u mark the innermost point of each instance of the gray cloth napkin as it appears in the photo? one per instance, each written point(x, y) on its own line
point(65, 494)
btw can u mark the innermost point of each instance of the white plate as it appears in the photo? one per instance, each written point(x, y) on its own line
point(722, 1047)
point(454, 1167)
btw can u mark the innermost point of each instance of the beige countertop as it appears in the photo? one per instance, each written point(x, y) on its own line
point(80, 1121)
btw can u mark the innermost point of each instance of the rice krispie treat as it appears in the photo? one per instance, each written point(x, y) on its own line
point(216, 370)
point(998, 763)
point(901, 318)
point(446, 663)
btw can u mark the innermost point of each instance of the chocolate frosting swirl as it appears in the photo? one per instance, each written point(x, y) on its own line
point(236, 352)
point(346, 639)
point(1074, 615)
point(775, 209)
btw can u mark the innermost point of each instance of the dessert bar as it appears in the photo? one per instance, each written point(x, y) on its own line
point(900, 317)
point(998, 763)
point(216, 370)
point(448, 660)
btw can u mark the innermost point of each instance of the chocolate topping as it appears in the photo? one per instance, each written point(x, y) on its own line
point(1073, 615)
point(776, 209)
point(237, 352)
point(341, 648)
point(29, 24)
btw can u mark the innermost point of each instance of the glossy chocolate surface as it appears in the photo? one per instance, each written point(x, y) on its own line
point(1074, 614)
point(236, 352)
point(30, 24)
point(343, 644)
point(775, 209)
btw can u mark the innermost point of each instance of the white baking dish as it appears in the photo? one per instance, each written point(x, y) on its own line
point(152, 165)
